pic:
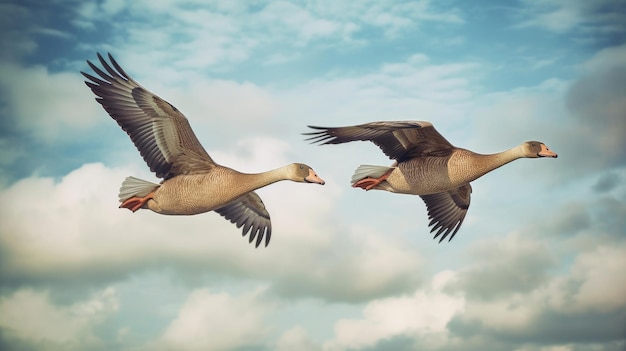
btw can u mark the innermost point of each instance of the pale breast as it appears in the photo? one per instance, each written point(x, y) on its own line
point(421, 176)
point(464, 166)
point(193, 194)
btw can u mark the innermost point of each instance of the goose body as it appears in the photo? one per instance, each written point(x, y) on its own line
point(192, 182)
point(436, 174)
point(198, 193)
point(426, 164)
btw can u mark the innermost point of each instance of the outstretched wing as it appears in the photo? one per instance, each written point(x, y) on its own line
point(400, 140)
point(160, 132)
point(249, 211)
point(447, 210)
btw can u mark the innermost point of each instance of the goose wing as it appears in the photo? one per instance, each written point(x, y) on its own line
point(160, 132)
point(249, 211)
point(447, 210)
point(399, 140)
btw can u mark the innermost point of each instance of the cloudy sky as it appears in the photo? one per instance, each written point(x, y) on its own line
point(538, 264)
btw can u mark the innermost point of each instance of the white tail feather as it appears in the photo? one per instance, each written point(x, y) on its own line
point(132, 186)
point(372, 171)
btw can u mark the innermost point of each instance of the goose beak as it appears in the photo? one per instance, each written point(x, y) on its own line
point(314, 178)
point(545, 152)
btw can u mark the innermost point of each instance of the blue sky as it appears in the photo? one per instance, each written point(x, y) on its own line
point(537, 265)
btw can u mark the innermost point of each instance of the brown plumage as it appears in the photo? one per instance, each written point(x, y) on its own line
point(192, 182)
point(426, 164)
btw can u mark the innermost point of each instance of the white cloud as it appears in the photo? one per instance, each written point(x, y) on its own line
point(424, 312)
point(599, 290)
point(197, 34)
point(497, 259)
point(430, 91)
point(33, 319)
point(392, 17)
point(407, 15)
point(372, 265)
point(596, 106)
point(49, 106)
point(438, 318)
point(296, 338)
point(287, 17)
point(215, 107)
point(588, 288)
point(555, 15)
point(562, 15)
point(217, 321)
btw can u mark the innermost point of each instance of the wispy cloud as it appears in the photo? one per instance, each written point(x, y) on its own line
point(559, 16)
point(224, 39)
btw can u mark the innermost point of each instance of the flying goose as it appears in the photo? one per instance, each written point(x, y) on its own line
point(426, 164)
point(192, 182)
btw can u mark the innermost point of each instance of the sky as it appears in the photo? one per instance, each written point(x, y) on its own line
point(537, 265)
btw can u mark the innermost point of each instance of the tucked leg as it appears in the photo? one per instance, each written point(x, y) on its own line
point(370, 183)
point(134, 203)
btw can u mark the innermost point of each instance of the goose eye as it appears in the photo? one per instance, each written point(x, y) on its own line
point(301, 167)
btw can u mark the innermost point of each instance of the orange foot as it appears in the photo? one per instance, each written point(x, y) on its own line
point(135, 203)
point(370, 183)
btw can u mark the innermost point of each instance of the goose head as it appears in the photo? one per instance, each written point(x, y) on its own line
point(534, 149)
point(299, 172)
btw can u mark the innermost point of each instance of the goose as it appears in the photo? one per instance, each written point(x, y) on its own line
point(192, 182)
point(426, 164)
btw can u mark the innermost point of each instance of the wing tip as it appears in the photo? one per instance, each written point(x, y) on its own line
point(259, 233)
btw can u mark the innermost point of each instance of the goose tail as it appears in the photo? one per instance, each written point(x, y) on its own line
point(364, 171)
point(135, 187)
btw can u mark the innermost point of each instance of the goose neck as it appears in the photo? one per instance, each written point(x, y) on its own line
point(481, 164)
